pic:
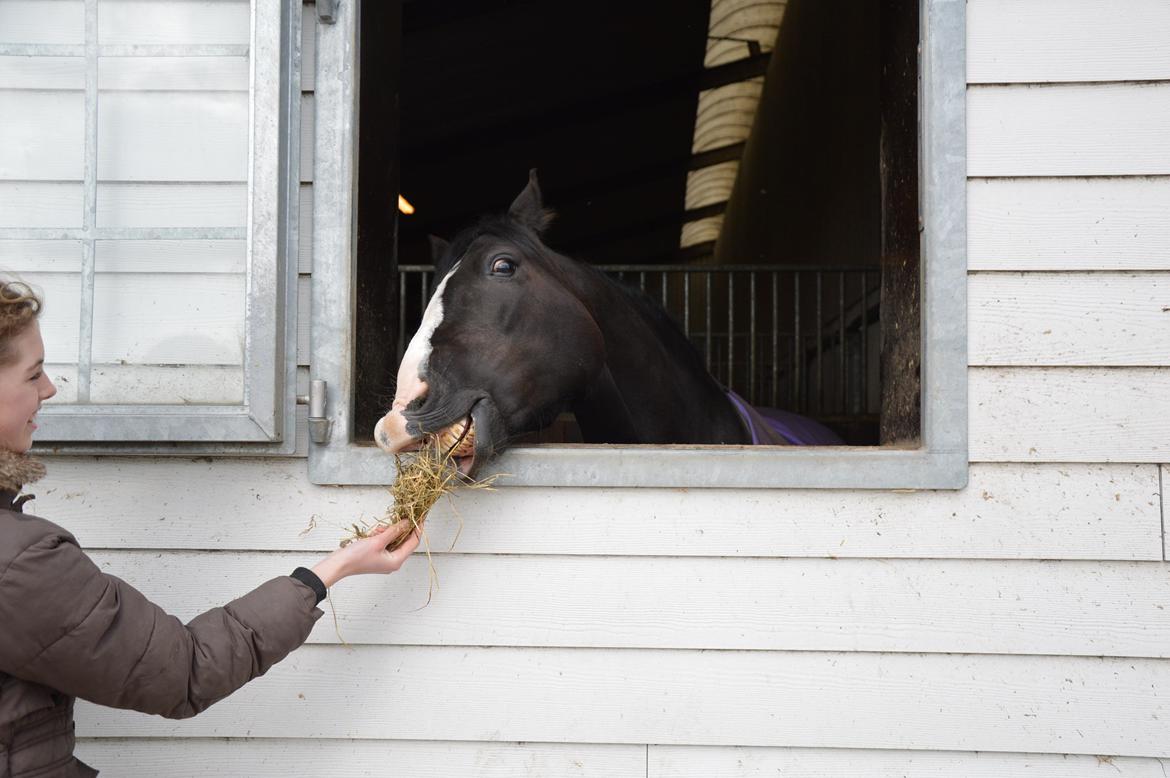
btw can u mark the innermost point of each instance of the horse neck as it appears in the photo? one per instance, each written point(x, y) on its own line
point(653, 389)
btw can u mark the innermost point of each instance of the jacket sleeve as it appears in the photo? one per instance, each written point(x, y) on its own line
point(93, 636)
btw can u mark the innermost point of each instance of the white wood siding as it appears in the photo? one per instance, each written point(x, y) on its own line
point(149, 758)
point(1015, 628)
point(1068, 130)
point(1065, 511)
point(1062, 319)
point(1067, 40)
point(143, 758)
point(1119, 609)
point(700, 762)
point(684, 697)
point(1069, 414)
point(1068, 224)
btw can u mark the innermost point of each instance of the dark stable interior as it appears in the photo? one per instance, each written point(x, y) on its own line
point(459, 99)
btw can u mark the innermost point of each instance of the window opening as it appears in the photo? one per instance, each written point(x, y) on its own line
point(753, 166)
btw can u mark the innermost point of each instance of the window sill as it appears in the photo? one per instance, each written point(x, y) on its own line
point(736, 467)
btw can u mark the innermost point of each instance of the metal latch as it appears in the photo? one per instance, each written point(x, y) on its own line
point(320, 426)
point(327, 11)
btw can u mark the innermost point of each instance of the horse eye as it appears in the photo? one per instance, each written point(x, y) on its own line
point(503, 266)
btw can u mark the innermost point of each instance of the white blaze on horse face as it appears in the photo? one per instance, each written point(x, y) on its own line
point(390, 434)
point(414, 361)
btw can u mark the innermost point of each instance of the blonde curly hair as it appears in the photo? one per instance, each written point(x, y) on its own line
point(19, 307)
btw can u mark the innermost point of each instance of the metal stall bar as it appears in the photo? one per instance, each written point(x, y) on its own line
point(820, 348)
point(730, 331)
point(864, 343)
point(752, 380)
point(796, 393)
point(842, 377)
point(775, 340)
point(402, 280)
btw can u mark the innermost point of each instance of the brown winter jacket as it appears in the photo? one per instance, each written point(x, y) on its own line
point(69, 630)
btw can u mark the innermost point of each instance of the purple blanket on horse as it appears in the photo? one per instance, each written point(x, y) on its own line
point(774, 427)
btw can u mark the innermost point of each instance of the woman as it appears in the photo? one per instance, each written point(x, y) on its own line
point(68, 630)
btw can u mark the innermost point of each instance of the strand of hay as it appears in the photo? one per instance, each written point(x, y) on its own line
point(422, 479)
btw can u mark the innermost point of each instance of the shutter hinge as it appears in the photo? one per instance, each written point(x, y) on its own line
point(327, 11)
point(320, 426)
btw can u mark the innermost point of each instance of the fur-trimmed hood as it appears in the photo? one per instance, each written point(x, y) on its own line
point(18, 470)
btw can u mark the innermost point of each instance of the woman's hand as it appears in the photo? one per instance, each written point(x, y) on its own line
point(368, 555)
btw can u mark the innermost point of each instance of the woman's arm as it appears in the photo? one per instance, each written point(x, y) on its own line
point(73, 628)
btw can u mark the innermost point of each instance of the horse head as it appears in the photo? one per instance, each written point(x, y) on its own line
point(505, 343)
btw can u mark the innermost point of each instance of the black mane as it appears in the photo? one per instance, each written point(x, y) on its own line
point(665, 326)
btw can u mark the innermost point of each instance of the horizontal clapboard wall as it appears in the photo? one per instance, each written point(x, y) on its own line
point(151, 757)
point(1069, 414)
point(1066, 511)
point(1068, 224)
point(1068, 130)
point(1069, 319)
point(699, 762)
point(1067, 40)
point(143, 758)
point(684, 697)
point(908, 605)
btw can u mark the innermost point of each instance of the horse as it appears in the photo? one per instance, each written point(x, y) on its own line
point(514, 334)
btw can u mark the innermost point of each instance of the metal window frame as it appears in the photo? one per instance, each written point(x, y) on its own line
point(941, 462)
point(265, 422)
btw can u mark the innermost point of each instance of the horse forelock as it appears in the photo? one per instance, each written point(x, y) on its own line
point(502, 227)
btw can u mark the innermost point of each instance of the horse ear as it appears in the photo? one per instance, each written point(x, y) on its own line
point(438, 248)
point(528, 208)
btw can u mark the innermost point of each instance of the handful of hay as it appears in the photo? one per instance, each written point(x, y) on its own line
point(423, 478)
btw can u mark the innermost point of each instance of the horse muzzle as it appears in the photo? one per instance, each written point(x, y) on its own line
point(391, 435)
point(457, 440)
